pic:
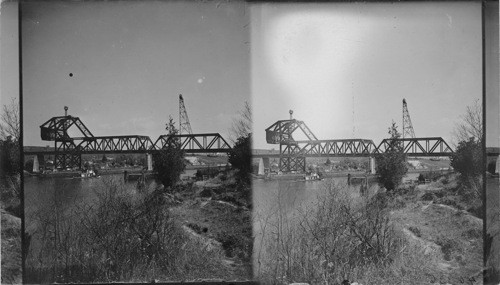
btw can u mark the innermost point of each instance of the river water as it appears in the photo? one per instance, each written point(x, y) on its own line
point(42, 193)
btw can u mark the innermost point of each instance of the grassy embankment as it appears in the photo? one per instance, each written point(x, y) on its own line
point(419, 234)
point(11, 231)
point(492, 243)
point(180, 234)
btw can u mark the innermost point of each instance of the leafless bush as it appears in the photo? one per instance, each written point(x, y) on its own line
point(329, 241)
point(120, 236)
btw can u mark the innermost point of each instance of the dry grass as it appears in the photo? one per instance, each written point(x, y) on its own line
point(121, 236)
point(385, 238)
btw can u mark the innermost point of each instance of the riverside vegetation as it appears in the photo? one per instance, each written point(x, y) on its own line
point(10, 187)
point(417, 234)
point(191, 231)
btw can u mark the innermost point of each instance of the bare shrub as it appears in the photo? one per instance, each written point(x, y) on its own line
point(329, 241)
point(120, 236)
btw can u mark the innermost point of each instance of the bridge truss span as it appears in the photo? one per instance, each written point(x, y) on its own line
point(428, 146)
point(115, 144)
point(344, 147)
point(196, 143)
point(293, 153)
point(68, 150)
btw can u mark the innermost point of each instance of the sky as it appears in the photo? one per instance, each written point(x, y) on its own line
point(9, 53)
point(130, 61)
point(344, 68)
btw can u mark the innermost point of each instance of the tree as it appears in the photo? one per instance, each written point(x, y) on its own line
point(471, 125)
point(10, 166)
point(9, 140)
point(468, 157)
point(468, 160)
point(391, 165)
point(240, 158)
point(242, 126)
point(10, 124)
point(169, 162)
point(9, 158)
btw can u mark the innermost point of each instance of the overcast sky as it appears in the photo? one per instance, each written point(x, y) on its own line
point(130, 61)
point(344, 68)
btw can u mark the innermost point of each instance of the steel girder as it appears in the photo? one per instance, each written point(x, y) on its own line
point(56, 129)
point(345, 147)
point(116, 144)
point(292, 163)
point(67, 155)
point(431, 146)
point(291, 158)
point(281, 131)
point(196, 143)
point(68, 150)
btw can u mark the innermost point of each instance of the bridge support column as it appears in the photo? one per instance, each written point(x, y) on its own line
point(263, 163)
point(373, 169)
point(36, 164)
point(150, 161)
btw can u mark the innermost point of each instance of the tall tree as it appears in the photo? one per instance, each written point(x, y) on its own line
point(169, 162)
point(468, 159)
point(391, 165)
point(470, 125)
point(242, 126)
point(9, 139)
point(240, 158)
point(10, 125)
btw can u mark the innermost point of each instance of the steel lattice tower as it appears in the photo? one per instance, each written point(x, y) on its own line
point(407, 126)
point(184, 125)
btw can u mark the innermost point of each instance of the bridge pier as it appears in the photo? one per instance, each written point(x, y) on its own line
point(263, 164)
point(36, 164)
point(373, 169)
point(150, 161)
point(292, 163)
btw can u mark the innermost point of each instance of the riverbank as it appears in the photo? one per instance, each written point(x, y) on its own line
point(429, 233)
point(219, 213)
point(11, 212)
point(11, 249)
point(444, 228)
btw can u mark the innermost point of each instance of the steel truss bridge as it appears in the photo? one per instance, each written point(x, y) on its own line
point(293, 153)
point(68, 150)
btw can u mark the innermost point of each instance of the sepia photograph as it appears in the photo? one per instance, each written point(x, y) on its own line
point(250, 142)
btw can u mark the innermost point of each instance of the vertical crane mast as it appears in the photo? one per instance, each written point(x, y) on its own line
point(184, 125)
point(407, 126)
